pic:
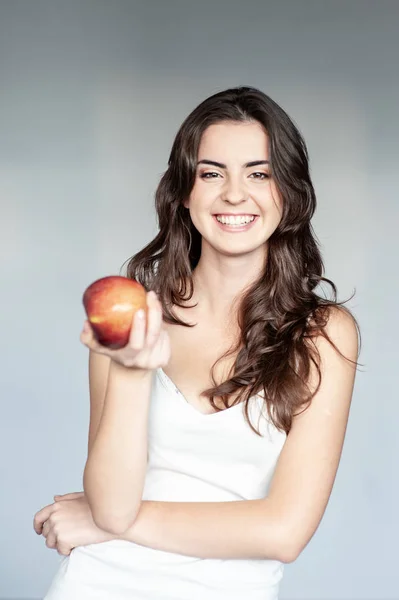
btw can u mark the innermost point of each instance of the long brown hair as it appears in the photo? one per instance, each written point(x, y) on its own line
point(281, 311)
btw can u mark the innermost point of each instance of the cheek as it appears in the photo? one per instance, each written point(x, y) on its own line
point(200, 198)
point(269, 202)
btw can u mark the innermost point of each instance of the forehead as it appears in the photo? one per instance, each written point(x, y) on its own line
point(238, 141)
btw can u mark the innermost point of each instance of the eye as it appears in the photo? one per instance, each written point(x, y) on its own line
point(262, 175)
point(211, 173)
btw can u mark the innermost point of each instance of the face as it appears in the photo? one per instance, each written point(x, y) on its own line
point(234, 203)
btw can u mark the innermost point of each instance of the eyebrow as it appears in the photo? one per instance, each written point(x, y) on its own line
point(253, 163)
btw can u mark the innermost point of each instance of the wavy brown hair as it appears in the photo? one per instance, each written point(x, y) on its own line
point(281, 311)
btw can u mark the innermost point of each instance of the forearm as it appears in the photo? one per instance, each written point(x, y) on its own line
point(239, 529)
point(114, 474)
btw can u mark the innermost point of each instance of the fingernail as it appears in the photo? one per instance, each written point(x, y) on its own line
point(140, 313)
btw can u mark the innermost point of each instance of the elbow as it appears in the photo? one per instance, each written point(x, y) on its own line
point(288, 554)
point(108, 517)
point(283, 546)
point(112, 521)
point(114, 527)
point(285, 538)
point(290, 549)
point(114, 524)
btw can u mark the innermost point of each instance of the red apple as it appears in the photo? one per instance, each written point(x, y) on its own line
point(110, 304)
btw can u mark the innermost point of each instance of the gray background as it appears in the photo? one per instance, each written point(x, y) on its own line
point(92, 94)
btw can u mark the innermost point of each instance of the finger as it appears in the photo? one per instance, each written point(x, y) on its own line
point(46, 528)
point(70, 496)
point(86, 335)
point(137, 332)
point(154, 322)
point(51, 539)
point(63, 549)
point(88, 338)
point(40, 517)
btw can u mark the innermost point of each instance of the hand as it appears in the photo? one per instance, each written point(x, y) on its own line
point(148, 347)
point(67, 523)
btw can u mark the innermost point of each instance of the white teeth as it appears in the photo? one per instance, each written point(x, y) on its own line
point(240, 220)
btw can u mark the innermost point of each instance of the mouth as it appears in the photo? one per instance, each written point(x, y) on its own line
point(235, 223)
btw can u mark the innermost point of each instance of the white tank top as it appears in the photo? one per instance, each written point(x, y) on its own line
point(192, 457)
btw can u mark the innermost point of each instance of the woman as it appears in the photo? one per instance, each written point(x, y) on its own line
point(216, 433)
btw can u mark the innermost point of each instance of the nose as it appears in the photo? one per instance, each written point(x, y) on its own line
point(234, 191)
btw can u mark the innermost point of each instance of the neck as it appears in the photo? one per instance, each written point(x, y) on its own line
point(220, 280)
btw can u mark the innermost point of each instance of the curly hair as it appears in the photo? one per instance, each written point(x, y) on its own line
point(280, 313)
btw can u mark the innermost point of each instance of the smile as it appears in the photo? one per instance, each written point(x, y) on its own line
point(235, 220)
point(235, 223)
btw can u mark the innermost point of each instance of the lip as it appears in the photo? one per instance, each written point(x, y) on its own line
point(235, 228)
point(235, 214)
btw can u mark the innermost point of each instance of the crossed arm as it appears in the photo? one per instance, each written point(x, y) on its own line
point(278, 526)
point(282, 524)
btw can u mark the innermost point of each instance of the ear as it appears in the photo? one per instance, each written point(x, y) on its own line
point(186, 203)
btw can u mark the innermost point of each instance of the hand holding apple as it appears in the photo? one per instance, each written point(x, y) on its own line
point(125, 323)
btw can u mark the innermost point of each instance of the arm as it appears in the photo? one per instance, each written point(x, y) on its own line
point(114, 474)
point(237, 529)
point(98, 379)
point(282, 524)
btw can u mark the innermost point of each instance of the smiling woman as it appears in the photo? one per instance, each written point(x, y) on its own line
point(214, 447)
point(239, 195)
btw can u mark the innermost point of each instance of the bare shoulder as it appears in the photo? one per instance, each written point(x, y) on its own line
point(341, 327)
point(342, 331)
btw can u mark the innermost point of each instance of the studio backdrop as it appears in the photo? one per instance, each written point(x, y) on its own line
point(92, 94)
